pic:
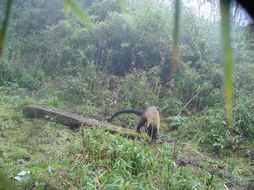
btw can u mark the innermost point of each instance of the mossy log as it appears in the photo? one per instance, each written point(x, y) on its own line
point(74, 120)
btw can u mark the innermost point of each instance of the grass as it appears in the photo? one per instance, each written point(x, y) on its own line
point(60, 158)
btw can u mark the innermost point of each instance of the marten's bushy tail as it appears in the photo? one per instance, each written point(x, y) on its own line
point(134, 111)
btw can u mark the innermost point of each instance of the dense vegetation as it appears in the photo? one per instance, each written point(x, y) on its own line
point(124, 61)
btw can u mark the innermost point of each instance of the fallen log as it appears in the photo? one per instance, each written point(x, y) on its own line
point(73, 120)
point(66, 118)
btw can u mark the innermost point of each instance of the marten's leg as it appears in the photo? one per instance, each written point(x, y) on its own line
point(141, 122)
point(152, 132)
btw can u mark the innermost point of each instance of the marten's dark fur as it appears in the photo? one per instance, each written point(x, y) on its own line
point(149, 116)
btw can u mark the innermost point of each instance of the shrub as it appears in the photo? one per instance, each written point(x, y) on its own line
point(22, 78)
point(217, 137)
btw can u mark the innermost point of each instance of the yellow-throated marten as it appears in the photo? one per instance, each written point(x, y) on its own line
point(150, 117)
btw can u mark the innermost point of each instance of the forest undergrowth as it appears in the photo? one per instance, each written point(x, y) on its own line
point(194, 150)
point(123, 61)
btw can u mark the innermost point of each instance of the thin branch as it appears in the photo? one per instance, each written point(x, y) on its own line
point(188, 103)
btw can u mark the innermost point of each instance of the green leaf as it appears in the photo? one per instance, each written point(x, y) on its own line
point(227, 58)
point(77, 11)
point(3, 32)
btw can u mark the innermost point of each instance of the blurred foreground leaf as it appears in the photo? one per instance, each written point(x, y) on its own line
point(3, 31)
point(175, 64)
point(122, 4)
point(227, 57)
point(77, 11)
point(5, 184)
